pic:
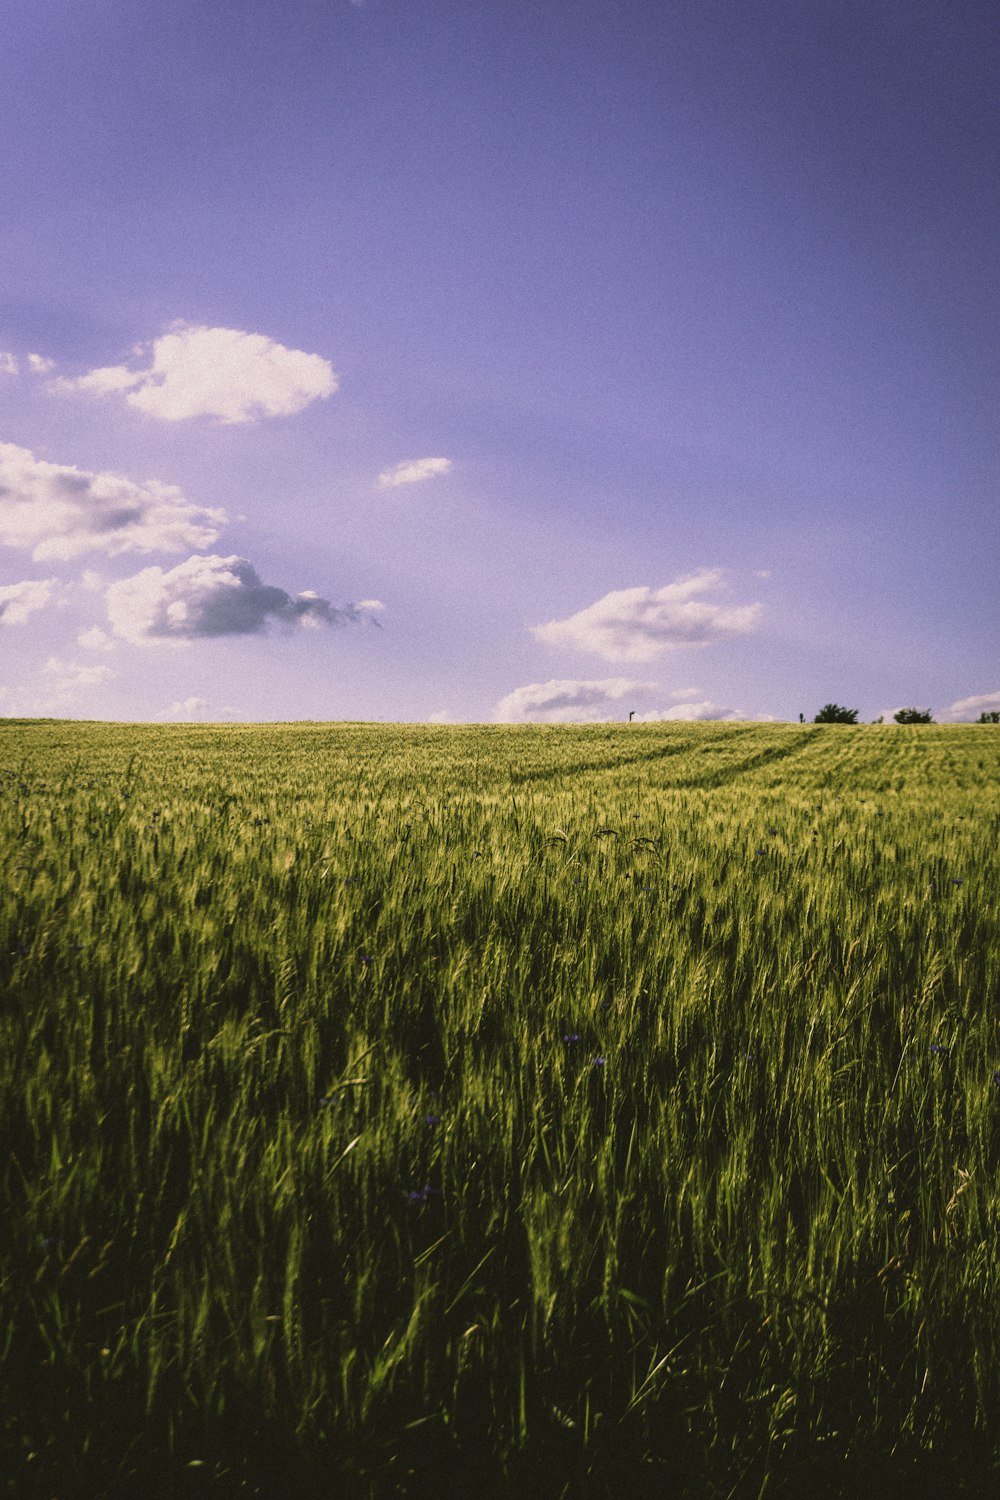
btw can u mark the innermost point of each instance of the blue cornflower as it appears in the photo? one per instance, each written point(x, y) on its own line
point(937, 1047)
point(433, 1119)
point(420, 1195)
point(571, 1036)
point(598, 1062)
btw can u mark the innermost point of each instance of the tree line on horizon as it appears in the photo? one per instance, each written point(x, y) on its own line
point(835, 713)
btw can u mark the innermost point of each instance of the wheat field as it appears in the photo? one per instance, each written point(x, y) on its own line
point(557, 1110)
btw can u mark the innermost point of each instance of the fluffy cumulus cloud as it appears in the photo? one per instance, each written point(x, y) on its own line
point(966, 710)
point(39, 365)
point(569, 701)
point(223, 373)
point(19, 600)
point(8, 363)
point(412, 471)
point(216, 596)
point(639, 624)
point(60, 511)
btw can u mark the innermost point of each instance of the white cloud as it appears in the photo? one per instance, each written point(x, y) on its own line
point(638, 624)
point(215, 596)
point(213, 372)
point(965, 710)
point(412, 471)
point(186, 708)
point(8, 363)
point(19, 600)
point(95, 639)
point(190, 710)
point(60, 511)
point(568, 701)
point(683, 712)
point(71, 676)
point(39, 365)
point(443, 716)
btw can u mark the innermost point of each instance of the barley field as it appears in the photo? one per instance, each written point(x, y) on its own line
point(558, 1111)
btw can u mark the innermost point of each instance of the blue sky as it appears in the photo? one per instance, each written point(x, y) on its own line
point(486, 359)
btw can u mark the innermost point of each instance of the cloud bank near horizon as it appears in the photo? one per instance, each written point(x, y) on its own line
point(967, 710)
point(564, 700)
point(598, 701)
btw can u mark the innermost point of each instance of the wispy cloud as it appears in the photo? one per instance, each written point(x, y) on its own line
point(412, 471)
point(207, 597)
point(224, 373)
point(8, 363)
point(569, 701)
point(60, 511)
point(639, 624)
point(95, 639)
point(19, 600)
point(184, 709)
point(193, 709)
point(39, 365)
point(70, 676)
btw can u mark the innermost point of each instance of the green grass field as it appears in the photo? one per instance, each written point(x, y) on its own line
point(606, 1111)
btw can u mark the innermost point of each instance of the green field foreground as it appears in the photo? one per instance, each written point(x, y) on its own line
point(558, 1111)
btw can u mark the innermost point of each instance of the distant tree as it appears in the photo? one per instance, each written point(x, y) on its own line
point(913, 716)
point(989, 716)
point(832, 713)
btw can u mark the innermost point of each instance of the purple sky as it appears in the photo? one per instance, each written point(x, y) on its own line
point(476, 359)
